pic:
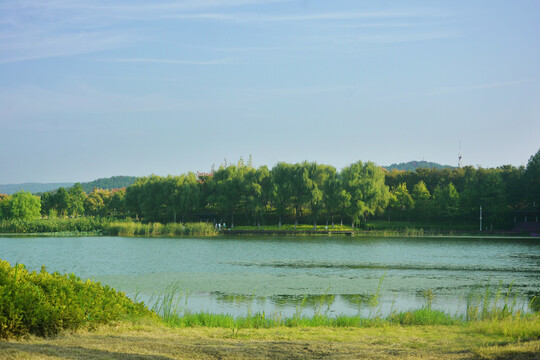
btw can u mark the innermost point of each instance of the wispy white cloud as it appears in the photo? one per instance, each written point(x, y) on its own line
point(388, 38)
point(27, 104)
point(170, 61)
point(36, 29)
point(328, 16)
point(492, 85)
point(447, 90)
point(39, 46)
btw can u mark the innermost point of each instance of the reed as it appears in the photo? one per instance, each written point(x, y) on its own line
point(482, 307)
point(132, 228)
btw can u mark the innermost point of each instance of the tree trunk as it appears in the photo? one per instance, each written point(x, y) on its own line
point(314, 224)
point(280, 221)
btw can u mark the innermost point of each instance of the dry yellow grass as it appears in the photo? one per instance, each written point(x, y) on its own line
point(155, 341)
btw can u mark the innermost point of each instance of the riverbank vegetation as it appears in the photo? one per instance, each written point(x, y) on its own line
point(308, 193)
point(89, 225)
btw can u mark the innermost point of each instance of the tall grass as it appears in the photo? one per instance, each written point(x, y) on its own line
point(96, 225)
point(80, 224)
point(481, 307)
point(131, 228)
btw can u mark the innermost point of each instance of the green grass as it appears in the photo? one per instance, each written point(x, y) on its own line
point(78, 225)
point(92, 226)
point(484, 305)
point(299, 227)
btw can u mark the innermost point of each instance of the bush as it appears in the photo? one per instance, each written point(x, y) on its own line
point(44, 304)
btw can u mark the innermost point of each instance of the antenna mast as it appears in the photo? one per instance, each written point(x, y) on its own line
point(459, 164)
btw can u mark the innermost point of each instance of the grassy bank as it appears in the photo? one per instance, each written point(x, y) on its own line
point(92, 226)
point(152, 340)
point(102, 226)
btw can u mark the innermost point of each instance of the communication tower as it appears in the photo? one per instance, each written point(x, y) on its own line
point(459, 164)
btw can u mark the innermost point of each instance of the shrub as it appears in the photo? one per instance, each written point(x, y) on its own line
point(44, 304)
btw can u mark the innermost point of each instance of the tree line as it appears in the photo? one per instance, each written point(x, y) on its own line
point(305, 192)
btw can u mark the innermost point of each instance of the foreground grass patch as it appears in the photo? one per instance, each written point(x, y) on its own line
point(147, 340)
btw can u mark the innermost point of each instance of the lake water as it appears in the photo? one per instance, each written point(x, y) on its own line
point(278, 274)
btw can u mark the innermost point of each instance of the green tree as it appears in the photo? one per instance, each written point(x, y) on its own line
point(76, 200)
point(400, 199)
point(447, 201)
point(485, 187)
point(421, 197)
point(61, 201)
point(23, 205)
point(301, 189)
point(97, 202)
point(5, 201)
point(228, 189)
point(257, 193)
point(187, 196)
point(47, 203)
point(320, 176)
point(117, 204)
point(368, 193)
point(532, 179)
point(281, 192)
point(336, 199)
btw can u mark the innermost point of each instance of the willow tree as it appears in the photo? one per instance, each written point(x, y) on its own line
point(320, 176)
point(281, 191)
point(187, 196)
point(366, 188)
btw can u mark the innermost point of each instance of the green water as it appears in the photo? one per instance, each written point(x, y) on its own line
point(278, 274)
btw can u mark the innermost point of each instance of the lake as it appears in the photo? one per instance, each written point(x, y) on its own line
point(281, 274)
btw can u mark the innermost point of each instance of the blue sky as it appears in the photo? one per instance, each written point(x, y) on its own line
point(92, 89)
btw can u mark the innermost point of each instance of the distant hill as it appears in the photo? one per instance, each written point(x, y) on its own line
point(105, 183)
point(413, 165)
point(32, 187)
point(114, 182)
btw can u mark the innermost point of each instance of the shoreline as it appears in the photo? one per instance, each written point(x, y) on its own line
point(270, 233)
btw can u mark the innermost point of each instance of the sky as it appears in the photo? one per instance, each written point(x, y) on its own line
point(98, 88)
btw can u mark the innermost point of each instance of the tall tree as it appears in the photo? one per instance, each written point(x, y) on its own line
point(282, 190)
point(401, 200)
point(421, 197)
point(61, 201)
point(320, 176)
point(532, 179)
point(76, 200)
point(447, 200)
point(365, 185)
point(336, 198)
